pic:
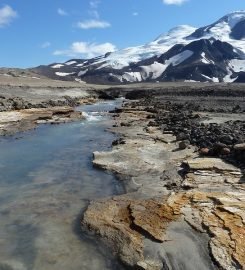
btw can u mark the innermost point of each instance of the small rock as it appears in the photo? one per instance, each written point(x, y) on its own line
point(227, 139)
point(118, 141)
point(225, 151)
point(218, 148)
point(151, 129)
point(148, 265)
point(152, 124)
point(184, 144)
point(204, 151)
point(124, 124)
point(141, 265)
point(240, 147)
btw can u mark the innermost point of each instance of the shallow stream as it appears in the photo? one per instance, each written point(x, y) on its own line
point(46, 181)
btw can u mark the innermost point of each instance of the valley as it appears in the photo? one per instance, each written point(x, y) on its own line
point(177, 153)
point(130, 158)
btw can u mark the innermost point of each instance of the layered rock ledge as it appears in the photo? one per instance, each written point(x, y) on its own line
point(180, 211)
point(22, 120)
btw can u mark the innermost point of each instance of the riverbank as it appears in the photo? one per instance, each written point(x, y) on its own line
point(26, 102)
point(22, 120)
point(185, 202)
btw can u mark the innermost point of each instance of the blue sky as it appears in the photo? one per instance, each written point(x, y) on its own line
point(42, 32)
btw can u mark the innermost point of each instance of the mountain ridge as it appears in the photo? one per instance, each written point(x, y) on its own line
point(213, 53)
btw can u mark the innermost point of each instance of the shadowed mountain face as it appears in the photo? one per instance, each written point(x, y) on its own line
point(238, 32)
point(214, 53)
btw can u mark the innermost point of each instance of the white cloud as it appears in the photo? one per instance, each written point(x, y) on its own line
point(62, 12)
point(135, 13)
point(7, 14)
point(88, 24)
point(174, 2)
point(94, 4)
point(45, 45)
point(94, 21)
point(86, 49)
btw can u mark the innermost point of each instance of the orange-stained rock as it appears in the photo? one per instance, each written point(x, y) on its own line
point(226, 228)
point(124, 222)
point(111, 220)
point(152, 216)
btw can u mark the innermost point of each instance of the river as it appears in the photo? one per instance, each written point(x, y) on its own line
point(46, 182)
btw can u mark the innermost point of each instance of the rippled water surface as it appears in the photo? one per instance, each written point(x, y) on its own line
point(46, 181)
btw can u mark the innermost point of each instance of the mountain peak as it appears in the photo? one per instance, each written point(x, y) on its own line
point(178, 32)
point(180, 28)
point(233, 18)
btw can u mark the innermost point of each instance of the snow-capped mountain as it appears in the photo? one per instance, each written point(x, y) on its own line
point(213, 53)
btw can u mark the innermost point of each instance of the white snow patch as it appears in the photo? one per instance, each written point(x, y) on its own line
point(175, 36)
point(79, 80)
point(205, 60)
point(71, 63)
point(154, 70)
point(132, 76)
point(57, 66)
point(63, 74)
point(179, 58)
point(214, 79)
point(119, 77)
point(237, 65)
point(220, 30)
point(82, 64)
point(227, 78)
point(82, 72)
point(191, 81)
point(102, 66)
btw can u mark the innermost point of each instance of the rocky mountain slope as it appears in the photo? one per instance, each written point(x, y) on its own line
point(214, 53)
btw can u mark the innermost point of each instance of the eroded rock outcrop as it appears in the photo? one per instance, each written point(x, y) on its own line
point(167, 186)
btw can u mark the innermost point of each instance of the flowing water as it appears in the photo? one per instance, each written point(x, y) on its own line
point(46, 181)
